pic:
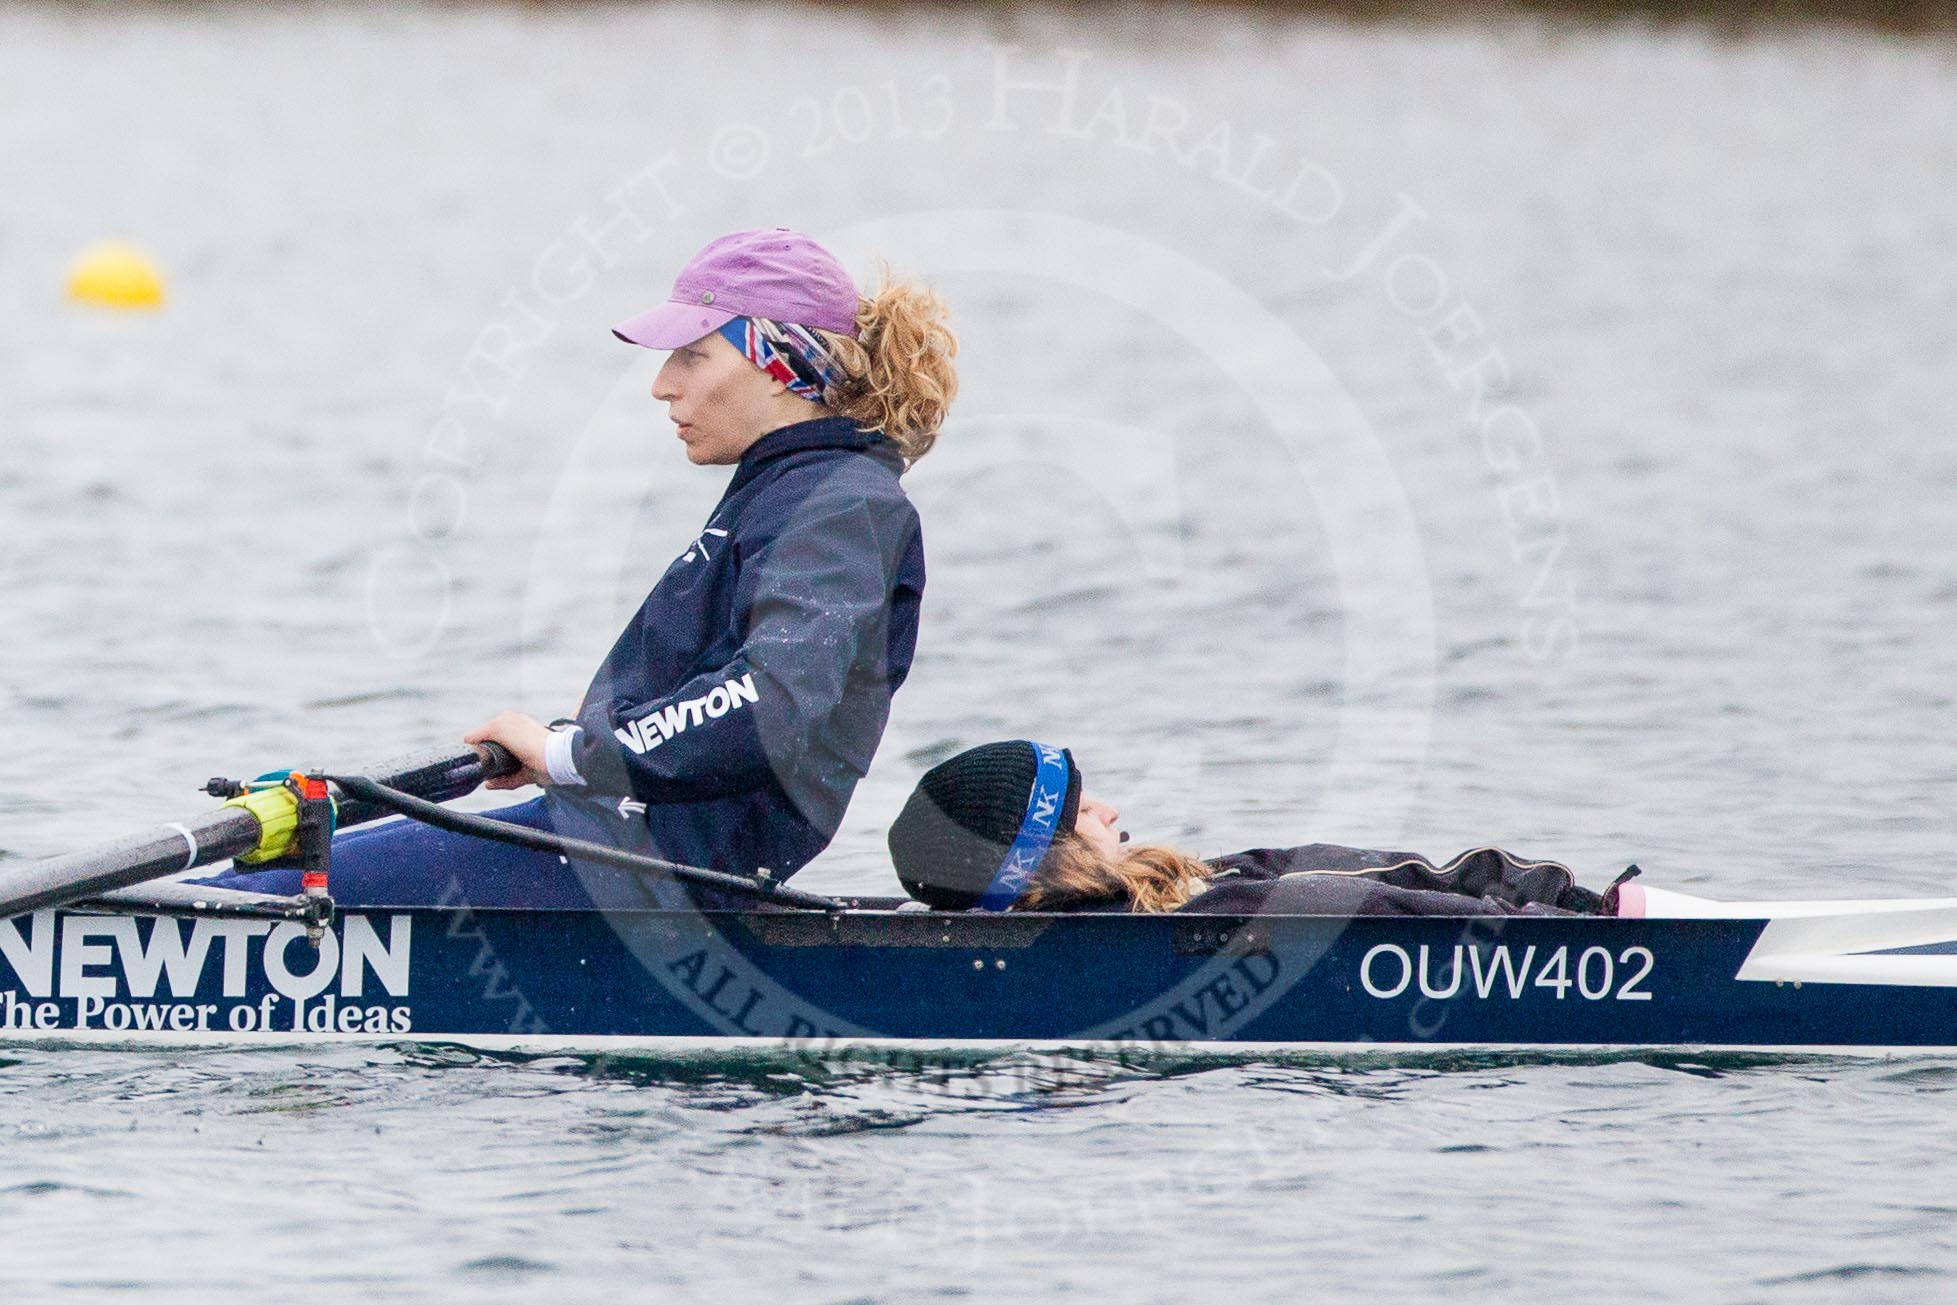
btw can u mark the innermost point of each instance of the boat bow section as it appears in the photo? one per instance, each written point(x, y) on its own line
point(1896, 942)
point(1913, 947)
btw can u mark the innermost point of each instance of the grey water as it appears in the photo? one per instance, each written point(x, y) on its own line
point(1418, 435)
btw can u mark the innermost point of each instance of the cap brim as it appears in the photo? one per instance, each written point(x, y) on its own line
point(671, 325)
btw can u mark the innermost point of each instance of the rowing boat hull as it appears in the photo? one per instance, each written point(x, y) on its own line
point(1855, 979)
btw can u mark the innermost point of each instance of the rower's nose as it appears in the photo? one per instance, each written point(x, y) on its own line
point(1105, 810)
point(663, 388)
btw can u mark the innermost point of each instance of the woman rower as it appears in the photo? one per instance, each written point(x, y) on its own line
point(733, 717)
point(1005, 827)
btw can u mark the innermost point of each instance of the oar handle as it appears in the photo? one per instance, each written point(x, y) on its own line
point(437, 774)
point(497, 760)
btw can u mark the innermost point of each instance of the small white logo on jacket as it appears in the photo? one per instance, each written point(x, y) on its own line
point(698, 548)
point(648, 732)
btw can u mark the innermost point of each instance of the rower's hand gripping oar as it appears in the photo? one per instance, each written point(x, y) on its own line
point(240, 829)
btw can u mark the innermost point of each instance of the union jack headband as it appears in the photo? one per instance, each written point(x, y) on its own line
point(793, 355)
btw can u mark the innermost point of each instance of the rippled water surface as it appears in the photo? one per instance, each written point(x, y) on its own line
point(1404, 435)
point(433, 1174)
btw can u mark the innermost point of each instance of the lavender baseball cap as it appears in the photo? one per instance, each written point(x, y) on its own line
point(779, 273)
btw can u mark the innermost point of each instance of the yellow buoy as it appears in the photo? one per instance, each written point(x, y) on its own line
point(112, 275)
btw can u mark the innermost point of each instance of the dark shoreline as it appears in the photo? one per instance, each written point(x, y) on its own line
point(1900, 16)
point(1739, 16)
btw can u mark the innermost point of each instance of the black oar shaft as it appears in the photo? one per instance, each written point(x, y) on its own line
point(439, 773)
point(166, 850)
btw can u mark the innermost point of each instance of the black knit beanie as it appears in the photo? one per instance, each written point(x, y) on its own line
point(953, 834)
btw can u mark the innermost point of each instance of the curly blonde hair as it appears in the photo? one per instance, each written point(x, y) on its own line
point(1152, 877)
point(899, 377)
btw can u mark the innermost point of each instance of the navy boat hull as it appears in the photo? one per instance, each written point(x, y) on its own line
point(1863, 979)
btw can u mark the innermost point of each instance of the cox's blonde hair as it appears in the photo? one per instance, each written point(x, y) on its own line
point(1152, 877)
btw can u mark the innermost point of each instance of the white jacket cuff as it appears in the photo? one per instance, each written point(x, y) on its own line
point(563, 767)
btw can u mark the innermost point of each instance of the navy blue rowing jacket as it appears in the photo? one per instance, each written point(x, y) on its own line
point(747, 696)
